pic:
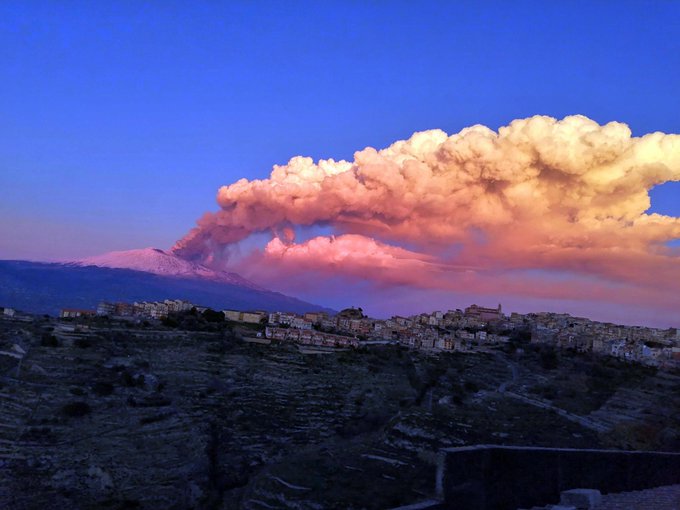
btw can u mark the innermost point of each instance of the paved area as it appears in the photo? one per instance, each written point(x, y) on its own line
point(661, 498)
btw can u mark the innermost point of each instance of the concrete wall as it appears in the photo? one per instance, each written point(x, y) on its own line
point(506, 477)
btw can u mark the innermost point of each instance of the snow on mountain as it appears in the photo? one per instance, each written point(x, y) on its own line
point(153, 260)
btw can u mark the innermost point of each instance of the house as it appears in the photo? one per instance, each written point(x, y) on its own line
point(427, 342)
point(300, 323)
point(446, 343)
point(106, 309)
point(465, 335)
point(402, 321)
point(484, 314)
point(178, 305)
point(72, 313)
point(433, 320)
point(252, 317)
point(310, 337)
point(316, 317)
point(232, 315)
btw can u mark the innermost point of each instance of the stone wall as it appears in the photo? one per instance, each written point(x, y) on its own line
point(506, 477)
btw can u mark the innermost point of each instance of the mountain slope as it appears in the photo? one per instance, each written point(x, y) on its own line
point(153, 260)
point(45, 288)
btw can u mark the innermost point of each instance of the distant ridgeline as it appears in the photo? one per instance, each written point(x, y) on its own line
point(47, 288)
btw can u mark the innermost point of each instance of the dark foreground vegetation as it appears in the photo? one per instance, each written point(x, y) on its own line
point(186, 414)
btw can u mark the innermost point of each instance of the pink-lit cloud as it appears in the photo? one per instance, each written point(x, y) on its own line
point(563, 196)
point(355, 256)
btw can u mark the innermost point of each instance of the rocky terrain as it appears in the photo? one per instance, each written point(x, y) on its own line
point(121, 416)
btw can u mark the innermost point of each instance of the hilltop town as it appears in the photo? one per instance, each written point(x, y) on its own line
point(467, 330)
point(173, 405)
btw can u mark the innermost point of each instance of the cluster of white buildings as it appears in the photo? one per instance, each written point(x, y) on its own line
point(310, 337)
point(162, 309)
point(247, 317)
point(437, 331)
point(74, 313)
point(145, 309)
point(477, 327)
point(458, 330)
point(650, 346)
point(11, 314)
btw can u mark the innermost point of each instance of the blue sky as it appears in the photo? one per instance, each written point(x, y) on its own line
point(121, 119)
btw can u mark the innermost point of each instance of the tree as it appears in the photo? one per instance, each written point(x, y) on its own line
point(549, 360)
point(213, 316)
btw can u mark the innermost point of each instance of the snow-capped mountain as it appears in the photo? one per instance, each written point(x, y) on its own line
point(40, 287)
point(155, 261)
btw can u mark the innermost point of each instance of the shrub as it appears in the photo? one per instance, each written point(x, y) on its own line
point(48, 340)
point(37, 433)
point(457, 393)
point(370, 421)
point(76, 409)
point(170, 322)
point(103, 389)
point(131, 380)
point(82, 343)
point(153, 419)
point(213, 316)
point(548, 391)
point(549, 359)
point(471, 386)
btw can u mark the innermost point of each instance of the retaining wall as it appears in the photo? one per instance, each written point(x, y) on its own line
point(491, 477)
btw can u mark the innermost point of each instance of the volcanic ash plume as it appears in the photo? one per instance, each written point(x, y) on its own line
point(560, 195)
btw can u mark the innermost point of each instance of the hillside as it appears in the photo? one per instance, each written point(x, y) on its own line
point(123, 416)
point(45, 288)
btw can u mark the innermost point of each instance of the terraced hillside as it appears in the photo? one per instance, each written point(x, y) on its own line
point(120, 417)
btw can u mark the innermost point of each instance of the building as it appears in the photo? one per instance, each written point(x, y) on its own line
point(105, 308)
point(72, 313)
point(316, 317)
point(253, 317)
point(153, 310)
point(124, 310)
point(178, 305)
point(300, 323)
point(465, 335)
point(310, 337)
point(484, 314)
point(232, 315)
point(446, 343)
point(282, 318)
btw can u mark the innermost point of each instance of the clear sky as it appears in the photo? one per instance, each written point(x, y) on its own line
point(120, 120)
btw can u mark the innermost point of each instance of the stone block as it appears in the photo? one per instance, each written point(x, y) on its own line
point(581, 498)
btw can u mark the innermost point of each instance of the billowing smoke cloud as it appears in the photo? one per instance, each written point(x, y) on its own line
point(540, 194)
